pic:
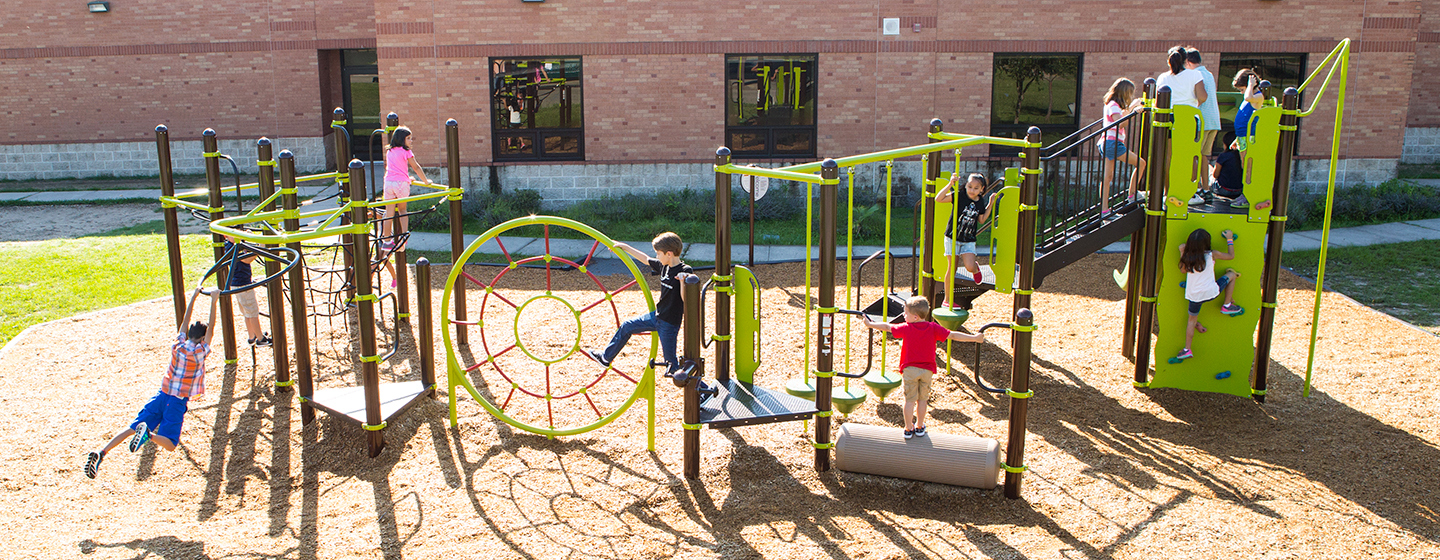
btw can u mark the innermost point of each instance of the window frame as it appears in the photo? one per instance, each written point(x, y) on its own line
point(771, 131)
point(1276, 89)
point(1009, 130)
point(536, 136)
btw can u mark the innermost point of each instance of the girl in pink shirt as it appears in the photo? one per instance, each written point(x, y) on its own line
point(399, 160)
point(1119, 102)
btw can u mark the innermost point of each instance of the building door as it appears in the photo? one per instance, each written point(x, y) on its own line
point(360, 80)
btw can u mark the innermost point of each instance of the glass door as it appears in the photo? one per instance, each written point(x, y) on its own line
point(360, 76)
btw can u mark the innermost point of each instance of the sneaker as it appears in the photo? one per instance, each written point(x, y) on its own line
point(92, 464)
point(1197, 200)
point(909, 434)
point(597, 357)
point(264, 340)
point(1232, 309)
point(142, 435)
point(1240, 202)
point(1185, 354)
point(1208, 196)
point(393, 283)
point(920, 432)
point(386, 244)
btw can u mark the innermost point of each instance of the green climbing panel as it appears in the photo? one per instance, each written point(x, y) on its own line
point(1258, 171)
point(1188, 170)
point(1229, 345)
point(747, 324)
point(1004, 235)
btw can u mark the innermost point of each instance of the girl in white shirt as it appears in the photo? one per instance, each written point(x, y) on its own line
point(1197, 261)
point(1187, 86)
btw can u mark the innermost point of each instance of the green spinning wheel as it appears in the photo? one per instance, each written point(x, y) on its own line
point(530, 370)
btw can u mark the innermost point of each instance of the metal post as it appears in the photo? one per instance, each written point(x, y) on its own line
point(342, 156)
point(298, 299)
point(1289, 104)
point(457, 225)
point(172, 224)
point(1137, 244)
point(825, 331)
point(274, 292)
point(691, 413)
point(723, 269)
point(365, 301)
point(217, 211)
point(426, 340)
point(927, 223)
point(1021, 336)
point(1158, 183)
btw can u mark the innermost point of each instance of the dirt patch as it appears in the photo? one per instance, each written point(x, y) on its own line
point(1115, 471)
point(38, 223)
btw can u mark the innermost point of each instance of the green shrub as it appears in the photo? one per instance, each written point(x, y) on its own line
point(1391, 201)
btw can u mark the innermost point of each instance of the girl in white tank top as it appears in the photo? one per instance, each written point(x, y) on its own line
point(1197, 261)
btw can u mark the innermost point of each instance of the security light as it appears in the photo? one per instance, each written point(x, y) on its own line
point(99, 7)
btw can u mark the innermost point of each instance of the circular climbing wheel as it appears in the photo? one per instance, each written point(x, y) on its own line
point(532, 317)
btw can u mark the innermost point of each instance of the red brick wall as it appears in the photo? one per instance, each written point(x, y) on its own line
point(1425, 83)
point(245, 67)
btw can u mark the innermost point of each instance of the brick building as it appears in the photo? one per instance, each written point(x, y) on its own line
point(581, 98)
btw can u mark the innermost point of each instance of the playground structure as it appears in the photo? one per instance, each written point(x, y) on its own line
point(284, 244)
point(1069, 227)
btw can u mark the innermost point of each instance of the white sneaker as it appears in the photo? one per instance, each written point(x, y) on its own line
point(1196, 200)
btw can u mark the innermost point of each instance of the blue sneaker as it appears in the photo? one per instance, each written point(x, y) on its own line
point(920, 432)
point(92, 464)
point(909, 434)
point(599, 358)
point(142, 435)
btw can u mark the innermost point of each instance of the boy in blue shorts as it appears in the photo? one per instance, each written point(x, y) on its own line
point(163, 416)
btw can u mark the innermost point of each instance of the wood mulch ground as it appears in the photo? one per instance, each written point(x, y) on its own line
point(1116, 471)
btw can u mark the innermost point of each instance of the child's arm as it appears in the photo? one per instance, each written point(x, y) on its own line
point(877, 325)
point(946, 194)
point(1229, 243)
point(209, 324)
point(639, 256)
point(1200, 94)
point(990, 205)
point(1252, 92)
point(190, 309)
point(958, 336)
point(420, 172)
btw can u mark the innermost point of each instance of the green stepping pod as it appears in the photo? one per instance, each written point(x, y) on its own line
point(846, 400)
point(882, 383)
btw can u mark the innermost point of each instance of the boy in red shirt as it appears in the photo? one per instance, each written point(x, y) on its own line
point(917, 357)
point(163, 416)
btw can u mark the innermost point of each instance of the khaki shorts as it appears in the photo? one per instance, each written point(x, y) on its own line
point(917, 384)
point(248, 306)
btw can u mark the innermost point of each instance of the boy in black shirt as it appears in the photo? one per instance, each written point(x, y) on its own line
point(1226, 177)
point(669, 310)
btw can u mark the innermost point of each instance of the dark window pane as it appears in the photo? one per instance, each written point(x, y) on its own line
point(763, 91)
point(539, 94)
point(567, 144)
point(1282, 70)
point(1035, 90)
point(358, 57)
point(794, 142)
point(747, 142)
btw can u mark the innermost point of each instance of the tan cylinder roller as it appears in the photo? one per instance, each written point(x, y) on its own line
point(943, 458)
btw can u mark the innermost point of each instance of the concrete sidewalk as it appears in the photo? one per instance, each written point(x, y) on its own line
point(1359, 236)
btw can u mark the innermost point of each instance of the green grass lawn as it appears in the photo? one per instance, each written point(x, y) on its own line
point(48, 280)
point(1401, 279)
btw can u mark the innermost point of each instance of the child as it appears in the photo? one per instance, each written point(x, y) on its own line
point(1198, 263)
point(1209, 116)
point(1248, 81)
point(1119, 102)
point(669, 310)
point(970, 212)
point(399, 160)
point(1225, 176)
point(162, 417)
point(249, 308)
point(917, 357)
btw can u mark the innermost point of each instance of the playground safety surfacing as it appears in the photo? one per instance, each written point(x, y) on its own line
point(1115, 471)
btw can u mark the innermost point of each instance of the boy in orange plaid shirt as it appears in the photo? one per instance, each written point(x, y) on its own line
point(163, 416)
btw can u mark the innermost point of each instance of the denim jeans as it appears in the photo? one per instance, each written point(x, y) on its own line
point(647, 322)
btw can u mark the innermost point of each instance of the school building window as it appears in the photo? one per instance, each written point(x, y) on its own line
point(1040, 90)
point(537, 109)
point(1282, 70)
point(770, 105)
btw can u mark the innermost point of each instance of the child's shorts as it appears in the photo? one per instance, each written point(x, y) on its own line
point(965, 248)
point(164, 415)
point(917, 384)
point(248, 306)
point(397, 189)
point(1114, 149)
point(1222, 281)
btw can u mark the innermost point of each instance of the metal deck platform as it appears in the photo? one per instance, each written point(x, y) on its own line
point(744, 404)
point(349, 402)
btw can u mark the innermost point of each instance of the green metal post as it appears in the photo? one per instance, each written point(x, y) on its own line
point(927, 223)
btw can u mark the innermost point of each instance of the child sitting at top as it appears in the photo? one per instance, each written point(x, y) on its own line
point(1225, 176)
point(917, 357)
point(669, 310)
point(1198, 263)
point(970, 212)
point(162, 417)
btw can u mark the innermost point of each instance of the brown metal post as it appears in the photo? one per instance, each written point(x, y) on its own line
point(1158, 182)
point(723, 269)
point(1137, 244)
point(217, 211)
point(457, 224)
point(365, 301)
point(402, 269)
point(1289, 105)
point(927, 223)
point(298, 307)
point(1021, 335)
point(825, 331)
point(342, 156)
point(172, 223)
point(274, 292)
point(693, 331)
point(426, 340)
